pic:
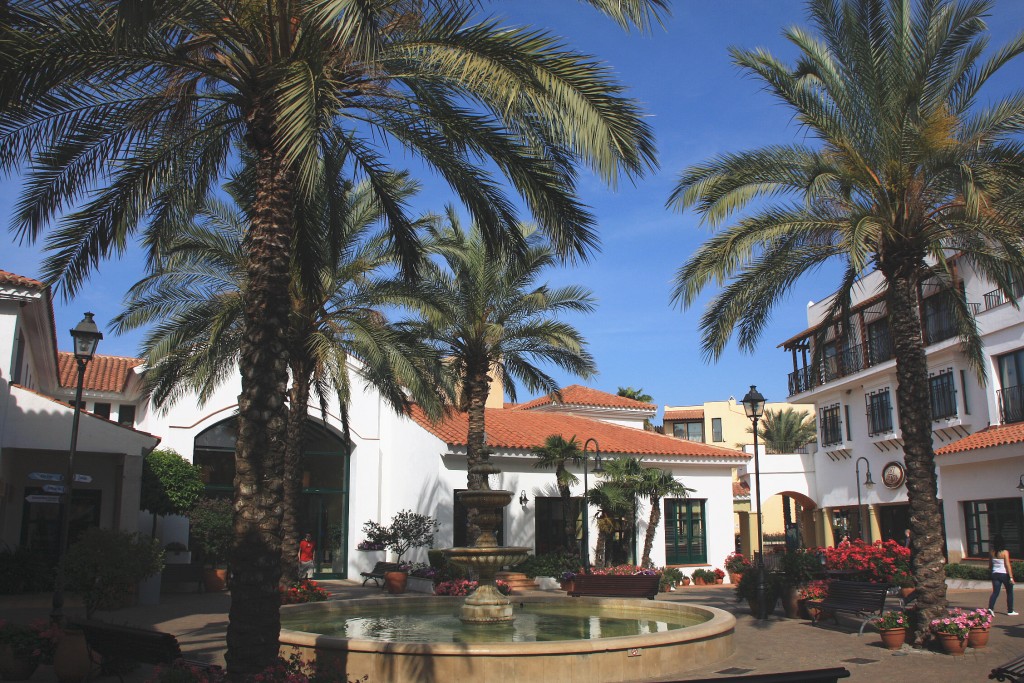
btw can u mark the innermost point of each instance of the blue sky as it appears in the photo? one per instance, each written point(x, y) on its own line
point(699, 105)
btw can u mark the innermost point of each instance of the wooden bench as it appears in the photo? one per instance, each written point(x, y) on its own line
point(1010, 671)
point(377, 573)
point(184, 573)
point(638, 586)
point(117, 648)
point(809, 676)
point(855, 597)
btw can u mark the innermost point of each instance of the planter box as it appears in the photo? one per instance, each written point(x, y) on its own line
point(639, 586)
point(418, 584)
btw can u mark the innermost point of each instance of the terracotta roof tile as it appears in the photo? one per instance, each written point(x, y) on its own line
point(996, 435)
point(740, 489)
point(104, 373)
point(693, 414)
point(7, 278)
point(523, 430)
point(585, 396)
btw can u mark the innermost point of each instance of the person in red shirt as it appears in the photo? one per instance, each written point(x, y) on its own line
point(307, 550)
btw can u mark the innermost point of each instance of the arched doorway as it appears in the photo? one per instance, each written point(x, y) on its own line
point(323, 507)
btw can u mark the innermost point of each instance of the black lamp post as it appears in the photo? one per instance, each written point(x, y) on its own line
point(86, 336)
point(753, 406)
point(868, 484)
point(586, 506)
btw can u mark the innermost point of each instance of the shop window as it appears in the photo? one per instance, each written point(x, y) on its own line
point(986, 518)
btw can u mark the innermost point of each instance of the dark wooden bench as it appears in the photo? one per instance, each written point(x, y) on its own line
point(810, 676)
point(640, 586)
point(184, 573)
point(1010, 671)
point(116, 648)
point(860, 598)
point(377, 573)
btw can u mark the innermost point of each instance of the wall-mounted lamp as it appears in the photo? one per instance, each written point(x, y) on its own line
point(523, 500)
point(1020, 485)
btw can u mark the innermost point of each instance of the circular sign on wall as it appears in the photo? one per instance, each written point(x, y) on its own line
point(893, 475)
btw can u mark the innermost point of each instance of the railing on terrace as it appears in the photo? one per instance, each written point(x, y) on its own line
point(1011, 404)
point(997, 298)
point(940, 325)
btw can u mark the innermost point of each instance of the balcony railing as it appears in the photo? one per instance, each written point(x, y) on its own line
point(943, 395)
point(997, 298)
point(1011, 404)
point(940, 324)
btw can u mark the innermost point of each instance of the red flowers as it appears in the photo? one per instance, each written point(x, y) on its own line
point(304, 590)
point(878, 562)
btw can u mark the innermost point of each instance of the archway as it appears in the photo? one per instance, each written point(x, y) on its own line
point(790, 520)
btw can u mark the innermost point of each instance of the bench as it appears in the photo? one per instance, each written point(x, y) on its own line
point(119, 647)
point(809, 676)
point(378, 571)
point(184, 573)
point(636, 586)
point(1010, 671)
point(855, 597)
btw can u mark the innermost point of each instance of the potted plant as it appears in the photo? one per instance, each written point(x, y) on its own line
point(23, 647)
point(905, 580)
point(892, 627)
point(719, 575)
point(746, 589)
point(812, 590)
point(736, 564)
point(104, 566)
point(702, 577)
point(211, 527)
point(979, 621)
point(407, 530)
point(951, 631)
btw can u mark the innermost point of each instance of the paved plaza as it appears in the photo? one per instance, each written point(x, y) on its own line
point(199, 622)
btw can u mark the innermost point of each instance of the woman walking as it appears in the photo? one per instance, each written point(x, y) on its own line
point(1002, 574)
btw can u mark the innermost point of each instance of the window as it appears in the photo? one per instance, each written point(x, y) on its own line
point(879, 342)
point(986, 518)
point(549, 524)
point(716, 429)
point(101, 409)
point(1011, 382)
point(690, 431)
point(943, 395)
point(831, 428)
point(879, 409)
point(685, 532)
point(126, 415)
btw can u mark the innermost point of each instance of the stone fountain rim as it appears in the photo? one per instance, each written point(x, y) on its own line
point(720, 623)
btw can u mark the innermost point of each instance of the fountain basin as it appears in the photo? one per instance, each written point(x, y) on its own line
point(613, 659)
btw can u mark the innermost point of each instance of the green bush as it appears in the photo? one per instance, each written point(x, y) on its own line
point(104, 566)
point(800, 567)
point(549, 564)
point(24, 571)
point(171, 485)
point(746, 589)
point(975, 572)
point(211, 527)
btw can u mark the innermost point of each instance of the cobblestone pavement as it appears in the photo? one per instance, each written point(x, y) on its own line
point(200, 620)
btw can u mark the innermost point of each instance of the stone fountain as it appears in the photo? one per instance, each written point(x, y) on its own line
point(486, 605)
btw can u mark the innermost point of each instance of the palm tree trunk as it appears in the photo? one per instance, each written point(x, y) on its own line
point(254, 618)
point(477, 387)
point(652, 526)
point(569, 524)
point(298, 401)
point(912, 400)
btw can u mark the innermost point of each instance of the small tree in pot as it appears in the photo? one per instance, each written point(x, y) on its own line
point(407, 530)
point(211, 527)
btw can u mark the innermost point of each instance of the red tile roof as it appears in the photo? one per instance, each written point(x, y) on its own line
point(692, 414)
point(523, 430)
point(104, 373)
point(740, 489)
point(7, 278)
point(584, 396)
point(996, 435)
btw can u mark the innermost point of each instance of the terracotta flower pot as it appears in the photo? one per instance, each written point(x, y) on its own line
point(734, 578)
point(952, 644)
point(906, 591)
point(14, 668)
point(395, 582)
point(215, 580)
point(719, 581)
point(71, 660)
point(791, 602)
point(977, 638)
point(698, 582)
point(893, 638)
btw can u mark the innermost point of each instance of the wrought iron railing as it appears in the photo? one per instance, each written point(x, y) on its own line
point(997, 298)
point(1011, 404)
point(879, 410)
point(943, 395)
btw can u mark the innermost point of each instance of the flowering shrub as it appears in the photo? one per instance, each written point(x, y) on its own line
point(878, 562)
point(291, 670)
point(35, 642)
point(369, 545)
point(303, 590)
point(954, 623)
point(979, 618)
point(465, 587)
point(719, 574)
point(617, 570)
point(735, 563)
point(891, 619)
point(814, 590)
point(423, 571)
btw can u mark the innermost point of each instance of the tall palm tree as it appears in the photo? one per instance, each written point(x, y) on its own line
point(488, 315)
point(905, 168)
point(557, 453)
point(612, 502)
point(126, 114)
point(193, 299)
point(657, 484)
point(627, 474)
point(784, 431)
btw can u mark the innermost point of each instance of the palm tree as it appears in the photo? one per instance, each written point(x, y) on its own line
point(194, 298)
point(612, 502)
point(906, 169)
point(656, 484)
point(557, 453)
point(784, 431)
point(627, 474)
point(489, 316)
point(126, 114)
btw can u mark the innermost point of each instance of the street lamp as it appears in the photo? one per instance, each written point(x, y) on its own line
point(868, 484)
point(86, 337)
point(753, 406)
point(586, 506)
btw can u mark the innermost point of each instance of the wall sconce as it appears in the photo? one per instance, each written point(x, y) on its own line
point(1020, 485)
point(523, 500)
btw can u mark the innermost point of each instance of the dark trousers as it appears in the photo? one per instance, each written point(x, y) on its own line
point(998, 581)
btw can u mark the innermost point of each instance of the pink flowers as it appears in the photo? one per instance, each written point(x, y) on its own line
point(465, 587)
point(979, 618)
point(956, 622)
point(890, 620)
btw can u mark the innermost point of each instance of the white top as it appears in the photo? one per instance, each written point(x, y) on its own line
point(998, 565)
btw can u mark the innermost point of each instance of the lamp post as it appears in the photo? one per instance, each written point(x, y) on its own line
point(868, 484)
point(586, 506)
point(753, 406)
point(86, 337)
